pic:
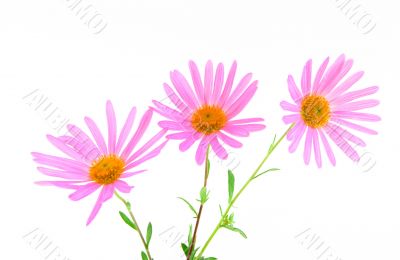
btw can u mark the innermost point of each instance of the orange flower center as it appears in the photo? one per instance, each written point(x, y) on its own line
point(107, 169)
point(315, 111)
point(208, 119)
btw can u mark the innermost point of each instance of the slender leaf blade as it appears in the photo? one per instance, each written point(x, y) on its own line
point(127, 220)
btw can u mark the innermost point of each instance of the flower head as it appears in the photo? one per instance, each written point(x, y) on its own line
point(208, 113)
point(326, 107)
point(93, 164)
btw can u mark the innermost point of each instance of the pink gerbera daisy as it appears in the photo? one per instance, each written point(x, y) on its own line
point(95, 165)
point(325, 107)
point(207, 114)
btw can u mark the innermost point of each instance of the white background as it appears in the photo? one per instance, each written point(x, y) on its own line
point(44, 45)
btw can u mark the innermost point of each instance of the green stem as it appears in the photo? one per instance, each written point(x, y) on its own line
point(128, 207)
point(225, 214)
point(206, 173)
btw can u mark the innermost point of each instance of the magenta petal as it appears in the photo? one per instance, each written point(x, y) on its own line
point(343, 144)
point(252, 127)
point(83, 138)
point(328, 148)
point(242, 101)
point(293, 131)
point(319, 75)
point(112, 127)
point(236, 130)
point(238, 91)
point(105, 194)
point(61, 184)
point(84, 191)
point(297, 138)
point(66, 149)
point(289, 107)
point(183, 89)
point(179, 136)
point(219, 80)
point(143, 125)
point(172, 125)
point(156, 151)
point(229, 140)
point(147, 146)
point(357, 105)
point(350, 96)
point(331, 75)
point(246, 120)
point(306, 78)
point(307, 146)
point(338, 77)
point(202, 149)
point(189, 141)
point(294, 90)
point(198, 85)
point(126, 129)
point(208, 81)
point(354, 126)
point(168, 112)
point(346, 135)
point(348, 83)
point(71, 175)
point(218, 149)
point(122, 186)
point(356, 116)
point(59, 162)
point(98, 137)
point(317, 149)
point(228, 84)
point(180, 105)
point(291, 118)
point(130, 174)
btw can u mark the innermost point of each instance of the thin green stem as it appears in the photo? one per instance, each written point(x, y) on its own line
point(225, 214)
point(206, 174)
point(128, 207)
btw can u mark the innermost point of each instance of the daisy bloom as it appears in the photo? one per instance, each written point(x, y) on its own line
point(326, 108)
point(92, 164)
point(207, 111)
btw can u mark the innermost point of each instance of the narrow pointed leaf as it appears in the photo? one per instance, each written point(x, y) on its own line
point(144, 256)
point(149, 233)
point(190, 205)
point(231, 185)
point(127, 220)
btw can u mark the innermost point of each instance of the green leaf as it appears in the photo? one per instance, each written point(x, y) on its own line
point(190, 237)
point(190, 206)
point(237, 230)
point(203, 195)
point(220, 210)
point(231, 185)
point(149, 233)
point(144, 256)
point(264, 172)
point(185, 248)
point(272, 146)
point(127, 220)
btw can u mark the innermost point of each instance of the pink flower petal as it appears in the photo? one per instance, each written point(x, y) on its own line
point(229, 140)
point(84, 191)
point(126, 129)
point(342, 144)
point(69, 175)
point(208, 81)
point(122, 186)
point(338, 77)
point(246, 120)
point(59, 162)
point(189, 141)
point(288, 119)
point(356, 116)
point(238, 91)
point(317, 149)
point(306, 78)
point(307, 146)
point(179, 136)
point(350, 96)
point(236, 130)
point(242, 101)
point(293, 131)
point(105, 194)
point(218, 149)
point(130, 174)
point(228, 84)
point(348, 83)
point(143, 125)
point(297, 138)
point(202, 149)
point(146, 157)
point(331, 75)
point(252, 127)
point(180, 105)
point(354, 126)
point(61, 184)
point(183, 89)
point(289, 107)
point(147, 145)
point(168, 112)
point(112, 127)
point(346, 135)
point(294, 90)
point(66, 149)
point(172, 125)
point(98, 137)
point(328, 148)
point(357, 105)
point(319, 75)
point(82, 137)
point(198, 85)
point(219, 80)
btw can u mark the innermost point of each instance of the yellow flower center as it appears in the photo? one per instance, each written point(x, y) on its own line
point(315, 111)
point(107, 169)
point(208, 119)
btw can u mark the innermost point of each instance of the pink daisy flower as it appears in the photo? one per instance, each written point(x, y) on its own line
point(208, 113)
point(97, 165)
point(325, 108)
